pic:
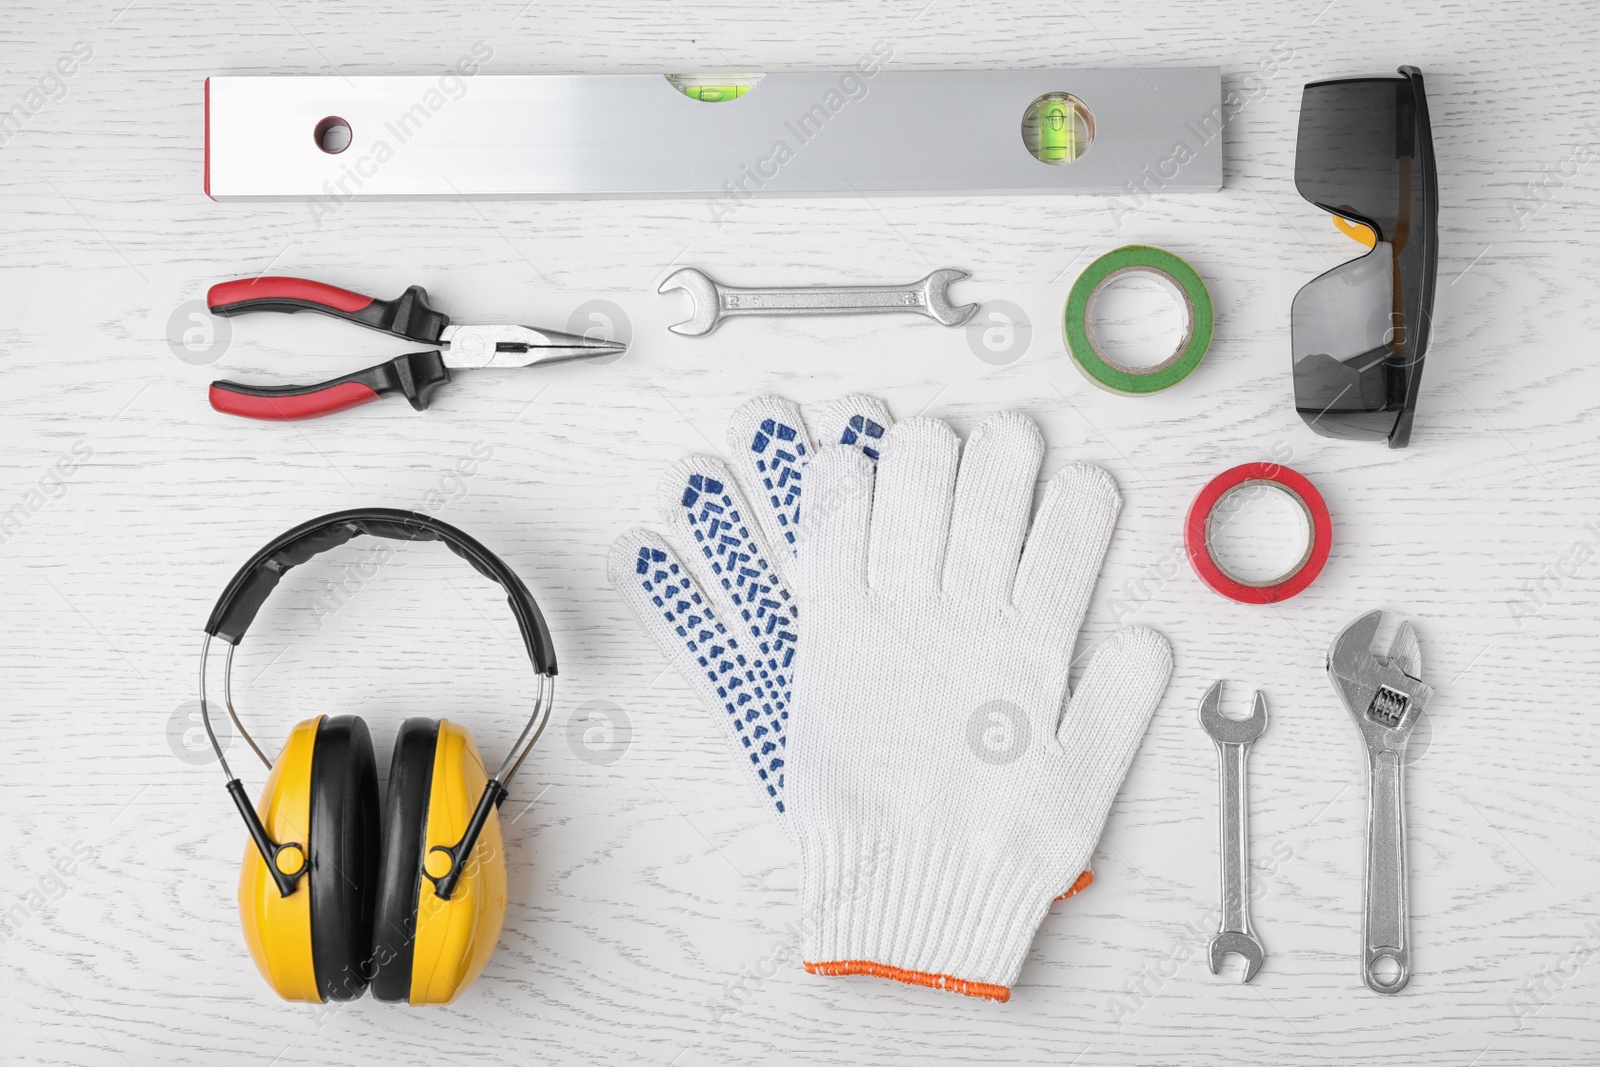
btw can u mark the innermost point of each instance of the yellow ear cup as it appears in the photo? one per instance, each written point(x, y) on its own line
point(455, 937)
point(277, 928)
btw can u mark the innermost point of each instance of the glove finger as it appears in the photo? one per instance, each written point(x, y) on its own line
point(1107, 716)
point(747, 688)
point(857, 420)
point(994, 496)
point(831, 546)
point(768, 447)
point(911, 507)
point(726, 551)
point(1061, 561)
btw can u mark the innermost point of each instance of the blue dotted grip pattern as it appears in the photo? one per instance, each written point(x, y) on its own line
point(723, 535)
point(752, 684)
point(779, 450)
point(862, 431)
point(753, 689)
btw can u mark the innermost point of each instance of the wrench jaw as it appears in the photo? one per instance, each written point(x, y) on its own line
point(934, 298)
point(1244, 945)
point(707, 302)
point(1384, 696)
point(1226, 731)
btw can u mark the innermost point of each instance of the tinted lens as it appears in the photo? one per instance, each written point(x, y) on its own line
point(1360, 330)
point(1352, 139)
point(1343, 332)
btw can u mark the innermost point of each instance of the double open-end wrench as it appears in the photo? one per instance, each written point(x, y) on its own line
point(1384, 696)
point(714, 302)
point(1233, 738)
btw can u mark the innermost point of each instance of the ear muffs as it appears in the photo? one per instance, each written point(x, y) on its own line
point(322, 921)
point(344, 856)
point(405, 812)
point(323, 790)
point(428, 949)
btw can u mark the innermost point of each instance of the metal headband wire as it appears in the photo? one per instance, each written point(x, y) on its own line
point(227, 695)
point(205, 711)
point(544, 704)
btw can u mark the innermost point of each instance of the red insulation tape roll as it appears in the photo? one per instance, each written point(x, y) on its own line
point(1302, 574)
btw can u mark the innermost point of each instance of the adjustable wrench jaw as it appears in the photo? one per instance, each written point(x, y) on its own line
point(1383, 695)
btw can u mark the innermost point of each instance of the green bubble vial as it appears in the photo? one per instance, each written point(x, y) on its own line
point(1057, 128)
point(713, 88)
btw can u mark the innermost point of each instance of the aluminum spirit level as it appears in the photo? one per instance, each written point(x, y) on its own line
point(1129, 132)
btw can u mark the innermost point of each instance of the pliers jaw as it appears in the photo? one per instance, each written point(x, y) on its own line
point(517, 346)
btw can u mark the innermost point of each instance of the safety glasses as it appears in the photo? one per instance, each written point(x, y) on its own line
point(1359, 331)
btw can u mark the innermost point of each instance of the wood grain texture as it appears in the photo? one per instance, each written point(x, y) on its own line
point(643, 890)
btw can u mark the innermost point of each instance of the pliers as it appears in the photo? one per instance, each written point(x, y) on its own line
point(415, 375)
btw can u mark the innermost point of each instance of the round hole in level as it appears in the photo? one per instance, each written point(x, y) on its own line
point(1259, 533)
point(1138, 319)
point(332, 135)
point(1058, 128)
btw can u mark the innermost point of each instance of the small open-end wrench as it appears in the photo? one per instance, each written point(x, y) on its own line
point(1384, 696)
point(714, 302)
point(1233, 738)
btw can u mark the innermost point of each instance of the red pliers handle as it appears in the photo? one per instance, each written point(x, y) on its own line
point(414, 376)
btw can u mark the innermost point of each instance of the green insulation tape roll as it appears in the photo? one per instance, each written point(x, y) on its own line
point(1118, 377)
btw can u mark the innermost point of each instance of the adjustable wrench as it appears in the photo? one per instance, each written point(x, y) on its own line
point(1384, 697)
point(714, 302)
point(1233, 738)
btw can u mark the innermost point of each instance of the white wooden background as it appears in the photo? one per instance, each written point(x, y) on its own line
point(642, 889)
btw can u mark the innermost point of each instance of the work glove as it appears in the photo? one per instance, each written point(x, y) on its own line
point(941, 786)
point(738, 647)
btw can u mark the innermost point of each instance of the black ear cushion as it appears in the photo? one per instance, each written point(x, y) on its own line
point(344, 856)
point(405, 814)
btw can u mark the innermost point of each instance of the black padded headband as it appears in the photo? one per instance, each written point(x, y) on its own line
point(250, 587)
